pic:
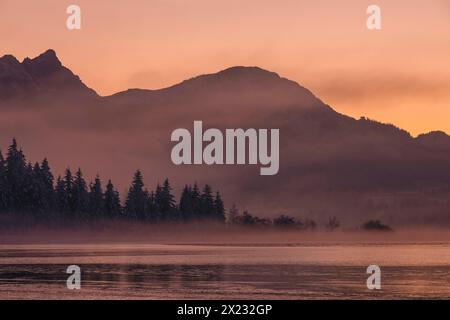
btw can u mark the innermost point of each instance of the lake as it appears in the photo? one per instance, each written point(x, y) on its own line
point(263, 271)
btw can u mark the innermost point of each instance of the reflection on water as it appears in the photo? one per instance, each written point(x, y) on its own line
point(224, 272)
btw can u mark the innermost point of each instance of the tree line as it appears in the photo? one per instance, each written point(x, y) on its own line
point(30, 191)
point(27, 189)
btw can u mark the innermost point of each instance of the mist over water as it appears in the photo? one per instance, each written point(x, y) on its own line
point(176, 262)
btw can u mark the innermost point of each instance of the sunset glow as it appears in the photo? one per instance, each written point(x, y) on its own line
point(400, 74)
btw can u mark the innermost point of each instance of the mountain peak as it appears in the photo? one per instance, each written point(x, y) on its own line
point(236, 85)
point(49, 53)
point(42, 74)
point(239, 71)
point(240, 77)
point(242, 73)
point(9, 59)
point(44, 64)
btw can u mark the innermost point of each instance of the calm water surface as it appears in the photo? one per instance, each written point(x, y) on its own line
point(225, 272)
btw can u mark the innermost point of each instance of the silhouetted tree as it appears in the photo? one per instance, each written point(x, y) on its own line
point(165, 202)
point(96, 207)
point(80, 197)
point(186, 206)
point(196, 202)
point(46, 181)
point(207, 209)
point(69, 190)
point(137, 199)
point(30, 192)
point(152, 209)
point(61, 198)
point(35, 193)
point(113, 208)
point(156, 199)
point(219, 209)
point(3, 184)
point(15, 177)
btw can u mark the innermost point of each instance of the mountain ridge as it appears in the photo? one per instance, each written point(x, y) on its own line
point(363, 168)
point(30, 77)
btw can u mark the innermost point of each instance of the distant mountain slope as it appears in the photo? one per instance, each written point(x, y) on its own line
point(330, 164)
point(435, 140)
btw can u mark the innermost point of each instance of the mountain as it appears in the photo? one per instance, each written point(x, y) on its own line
point(330, 164)
point(44, 74)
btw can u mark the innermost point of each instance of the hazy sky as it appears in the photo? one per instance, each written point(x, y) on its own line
point(400, 74)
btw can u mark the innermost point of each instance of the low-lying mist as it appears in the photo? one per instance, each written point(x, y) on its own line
point(212, 234)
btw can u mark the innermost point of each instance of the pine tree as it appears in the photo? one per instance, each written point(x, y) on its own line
point(61, 197)
point(36, 195)
point(80, 196)
point(186, 204)
point(137, 199)
point(15, 176)
point(96, 204)
point(46, 179)
point(219, 208)
point(69, 191)
point(207, 209)
point(30, 192)
point(165, 202)
point(196, 203)
point(3, 184)
point(152, 210)
point(157, 200)
point(113, 208)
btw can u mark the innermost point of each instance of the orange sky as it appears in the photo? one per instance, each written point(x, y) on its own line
point(400, 74)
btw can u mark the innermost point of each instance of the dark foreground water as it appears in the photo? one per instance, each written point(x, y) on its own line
point(224, 272)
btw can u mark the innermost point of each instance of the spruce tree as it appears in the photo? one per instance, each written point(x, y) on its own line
point(152, 211)
point(3, 184)
point(69, 190)
point(219, 208)
point(46, 179)
point(113, 208)
point(137, 199)
point(36, 198)
point(61, 198)
point(15, 178)
point(30, 199)
point(207, 209)
point(80, 197)
point(165, 202)
point(195, 200)
point(186, 204)
point(96, 204)
point(157, 200)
